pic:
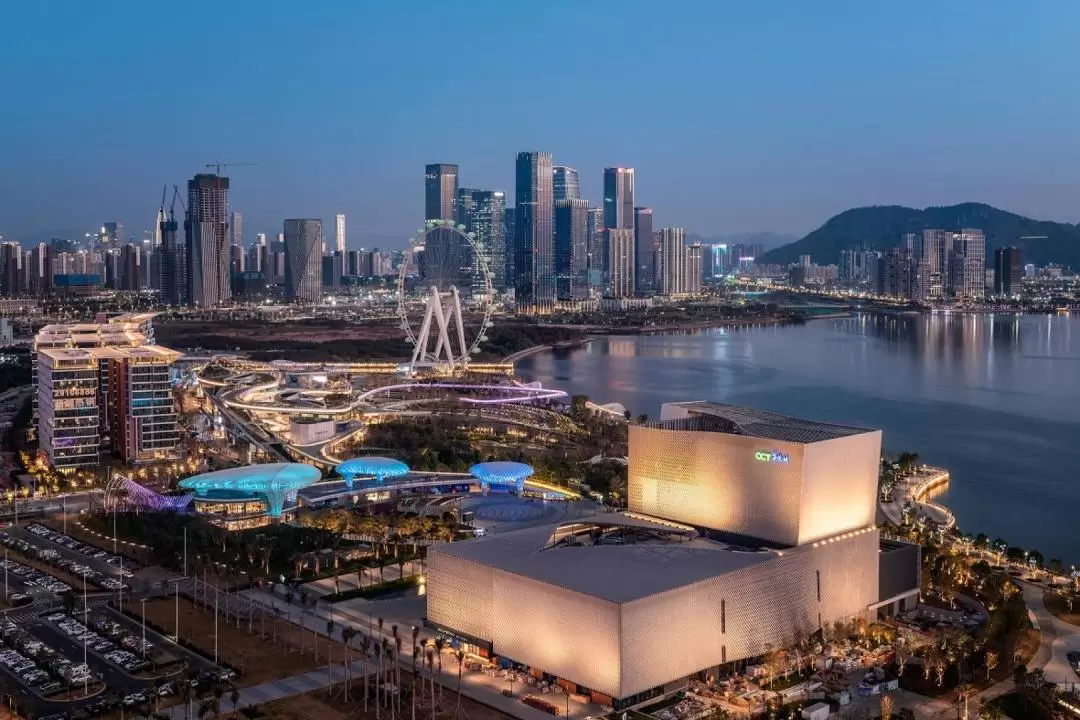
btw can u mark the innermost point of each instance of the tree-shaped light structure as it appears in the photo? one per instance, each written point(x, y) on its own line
point(277, 482)
point(378, 467)
point(501, 472)
point(123, 492)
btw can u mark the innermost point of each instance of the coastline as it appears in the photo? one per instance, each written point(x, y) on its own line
point(599, 332)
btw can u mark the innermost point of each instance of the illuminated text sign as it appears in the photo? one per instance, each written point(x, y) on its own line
point(771, 457)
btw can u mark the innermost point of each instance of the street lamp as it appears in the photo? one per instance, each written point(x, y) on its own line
point(86, 612)
point(143, 628)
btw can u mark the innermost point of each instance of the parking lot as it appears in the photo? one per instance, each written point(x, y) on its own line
point(38, 665)
point(42, 655)
point(45, 549)
point(94, 557)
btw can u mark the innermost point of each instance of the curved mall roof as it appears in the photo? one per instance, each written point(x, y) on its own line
point(267, 478)
point(372, 465)
point(501, 472)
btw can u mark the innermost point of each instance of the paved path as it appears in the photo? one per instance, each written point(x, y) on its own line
point(1058, 638)
point(406, 613)
point(277, 689)
point(372, 576)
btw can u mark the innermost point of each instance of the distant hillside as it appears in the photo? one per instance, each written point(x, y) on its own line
point(882, 227)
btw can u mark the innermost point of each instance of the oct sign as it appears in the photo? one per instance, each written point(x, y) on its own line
point(771, 457)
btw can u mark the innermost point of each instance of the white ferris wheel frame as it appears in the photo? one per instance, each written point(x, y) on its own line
point(452, 351)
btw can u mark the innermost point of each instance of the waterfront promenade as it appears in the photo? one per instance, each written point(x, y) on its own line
point(919, 489)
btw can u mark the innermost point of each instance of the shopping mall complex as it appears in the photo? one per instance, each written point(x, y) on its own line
point(745, 530)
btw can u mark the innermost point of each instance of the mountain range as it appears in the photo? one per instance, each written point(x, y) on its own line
point(883, 226)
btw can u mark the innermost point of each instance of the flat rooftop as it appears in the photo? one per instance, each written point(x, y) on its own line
point(616, 573)
point(717, 417)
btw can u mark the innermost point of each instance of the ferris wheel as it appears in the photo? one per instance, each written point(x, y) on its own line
point(455, 272)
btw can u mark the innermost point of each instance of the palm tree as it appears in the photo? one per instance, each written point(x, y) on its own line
point(347, 635)
point(365, 648)
point(376, 648)
point(314, 602)
point(460, 661)
point(439, 645)
point(329, 654)
point(415, 655)
point(431, 670)
point(219, 692)
point(397, 669)
point(384, 650)
point(390, 659)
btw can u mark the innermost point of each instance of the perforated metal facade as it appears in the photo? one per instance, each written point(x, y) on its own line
point(784, 492)
point(621, 649)
point(567, 633)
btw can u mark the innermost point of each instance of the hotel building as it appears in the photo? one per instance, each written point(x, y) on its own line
point(104, 387)
point(745, 530)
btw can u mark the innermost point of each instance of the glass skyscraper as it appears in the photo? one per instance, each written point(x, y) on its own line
point(566, 183)
point(534, 251)
point(572, 249)
point(482, 212)
point(619, 197)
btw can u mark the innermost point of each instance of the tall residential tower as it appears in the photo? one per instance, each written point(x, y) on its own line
point(206, 238)
point(339, 222)
point(303, 260)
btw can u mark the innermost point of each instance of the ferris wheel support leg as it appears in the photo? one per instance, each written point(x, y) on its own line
point(425, 331)
point(443, 343)
point(455, 310)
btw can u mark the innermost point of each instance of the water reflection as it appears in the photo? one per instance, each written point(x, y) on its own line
point(994, 397)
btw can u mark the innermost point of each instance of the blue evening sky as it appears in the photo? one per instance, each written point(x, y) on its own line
point(738, 116)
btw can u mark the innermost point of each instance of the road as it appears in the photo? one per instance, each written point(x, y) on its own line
point(1058, 638)
point(73, 502)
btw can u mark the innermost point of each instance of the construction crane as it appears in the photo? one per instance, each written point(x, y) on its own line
point(176, 196)
point(218, 165)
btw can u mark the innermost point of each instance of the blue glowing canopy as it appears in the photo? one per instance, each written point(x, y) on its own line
point(378, 467)
point(278, 482)
point(501, 472)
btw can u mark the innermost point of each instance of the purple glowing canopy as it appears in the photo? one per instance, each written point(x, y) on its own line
point(501, 472)
point(378, 467)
